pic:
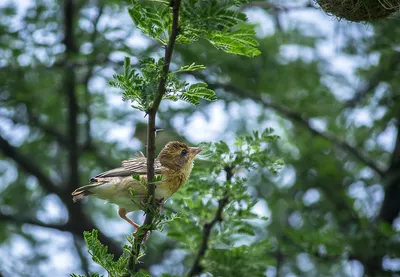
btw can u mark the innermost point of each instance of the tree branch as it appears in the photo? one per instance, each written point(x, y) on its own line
point(59, 137)
point(17, 219)
point(89, 74)
point(133, 265)
point(78, 222)
point(384, 71)
point(69, 86)
point(34, 121)
point(196, 267)
point(305, 122)
point(29, 166)
point(391, 206)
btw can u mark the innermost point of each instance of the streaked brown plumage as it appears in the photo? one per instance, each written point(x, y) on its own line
point(174, 164)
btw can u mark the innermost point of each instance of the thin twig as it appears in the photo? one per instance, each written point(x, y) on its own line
point(133, 265)
point(196, 267)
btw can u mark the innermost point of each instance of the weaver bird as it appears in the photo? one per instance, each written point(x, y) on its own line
point(174, 164)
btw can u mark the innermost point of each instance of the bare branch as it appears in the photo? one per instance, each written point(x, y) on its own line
point(19, 220)
point(75, 228)
point(29, 166)
point(78, 221)
point(91, 64)
point(305, 122)
point(196, 267)
point(133, 265)
point(391, 205)
point(34, 121)
point(69, 84)
point(382, 72)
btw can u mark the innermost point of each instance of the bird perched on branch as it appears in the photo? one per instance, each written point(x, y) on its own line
point(174, 164)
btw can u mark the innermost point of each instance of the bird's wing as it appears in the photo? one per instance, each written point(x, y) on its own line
point(116, 172)
point(129, 167)
point(139, 165)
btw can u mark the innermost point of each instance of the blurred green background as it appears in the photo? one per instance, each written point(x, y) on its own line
point(330, 89)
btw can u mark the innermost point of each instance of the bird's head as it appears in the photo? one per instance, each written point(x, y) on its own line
point(178, 156)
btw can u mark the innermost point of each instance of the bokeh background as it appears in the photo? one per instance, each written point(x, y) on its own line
point(329, 88)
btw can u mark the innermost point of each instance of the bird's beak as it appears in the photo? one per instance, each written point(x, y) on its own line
point(195, 150)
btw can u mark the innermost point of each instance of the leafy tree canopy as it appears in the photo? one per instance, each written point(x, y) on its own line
point(329, 90)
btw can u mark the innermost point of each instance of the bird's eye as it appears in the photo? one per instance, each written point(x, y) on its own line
point(184, 152)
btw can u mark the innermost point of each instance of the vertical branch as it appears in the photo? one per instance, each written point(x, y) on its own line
point(279, 262)
point(133, 265)
point(196, 267)
point(69, 85)
point(390, 207)
point(90, 69)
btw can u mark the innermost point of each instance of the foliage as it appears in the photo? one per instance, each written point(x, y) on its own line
point(197, 203)
point(328, 88)
point(141, 90)
point(216, 21)
point(213, 20)
point(101, 256)
point(222, 29)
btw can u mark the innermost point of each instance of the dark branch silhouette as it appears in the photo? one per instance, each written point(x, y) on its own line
point(305, 122)
point(20, 220)
point(29, 165)
point(384, 71)
point(207, 228)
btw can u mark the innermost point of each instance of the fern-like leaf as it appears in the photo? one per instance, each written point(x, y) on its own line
point(100, 255)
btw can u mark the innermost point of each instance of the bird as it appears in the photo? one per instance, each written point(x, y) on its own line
point(174, 163)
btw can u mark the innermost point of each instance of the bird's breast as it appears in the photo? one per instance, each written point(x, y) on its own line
point(173, 181)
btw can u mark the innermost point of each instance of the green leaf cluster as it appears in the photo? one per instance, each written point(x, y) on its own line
point(220, 24)
point(222, 173)
point(216, 21)
point(141, 87)
point(250, 152)
point(243, 260)
point(100, 255)
point(197, 203)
